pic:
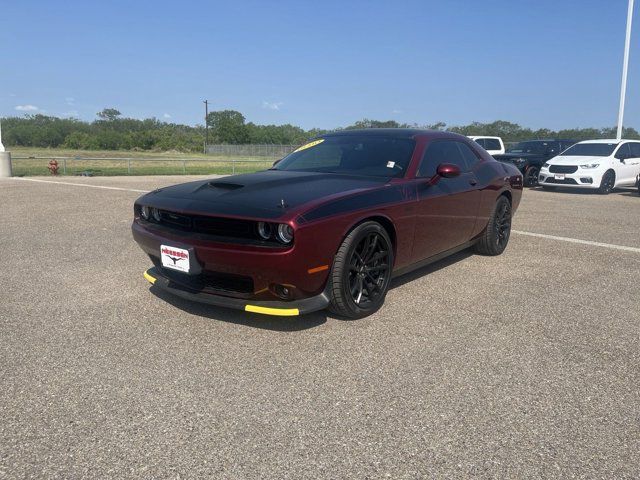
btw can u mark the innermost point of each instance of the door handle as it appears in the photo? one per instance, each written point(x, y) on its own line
point(473, 182)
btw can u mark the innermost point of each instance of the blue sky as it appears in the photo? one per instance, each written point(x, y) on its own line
point(552, 64)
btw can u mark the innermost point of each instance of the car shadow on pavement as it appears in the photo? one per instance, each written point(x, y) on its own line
point(433, 267)
point(623, 191)
point(266, 322)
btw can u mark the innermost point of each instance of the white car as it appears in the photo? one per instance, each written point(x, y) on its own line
point(596, 164)
point(493, 145)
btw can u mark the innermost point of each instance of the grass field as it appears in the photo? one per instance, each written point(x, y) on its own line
point(34, 161)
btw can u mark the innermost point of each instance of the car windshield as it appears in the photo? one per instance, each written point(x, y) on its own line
point(368, 155)
point(590, 150)
point(529, 147)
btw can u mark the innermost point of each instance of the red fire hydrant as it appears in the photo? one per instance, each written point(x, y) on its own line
point(53, 167)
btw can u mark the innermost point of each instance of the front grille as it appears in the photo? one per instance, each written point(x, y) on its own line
point(209, 225)
point(215, 282)
point(566, 181)
point(563, 168)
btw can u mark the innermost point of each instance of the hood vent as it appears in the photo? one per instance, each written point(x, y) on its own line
point(225, 186)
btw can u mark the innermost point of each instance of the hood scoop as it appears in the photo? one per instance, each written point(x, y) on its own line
point(225, 185)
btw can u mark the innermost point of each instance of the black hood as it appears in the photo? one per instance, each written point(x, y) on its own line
point(510, 156)
point(269, 194)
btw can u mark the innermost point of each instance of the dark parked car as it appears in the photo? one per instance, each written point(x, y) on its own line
point(330, 224)
point(529, 156)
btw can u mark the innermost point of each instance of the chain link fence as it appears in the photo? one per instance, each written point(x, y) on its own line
point(96, 166)
point(271, 151)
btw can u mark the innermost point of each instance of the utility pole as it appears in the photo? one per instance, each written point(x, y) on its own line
point(206, 124)
point(625, 66)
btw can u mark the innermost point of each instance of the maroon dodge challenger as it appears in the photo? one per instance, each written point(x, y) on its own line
point(330, 224)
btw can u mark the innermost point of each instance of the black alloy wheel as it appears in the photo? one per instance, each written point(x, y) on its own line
point(362, 271)
point(531, 176)
point(607, 182)
point(503, 225)
point(495, 237)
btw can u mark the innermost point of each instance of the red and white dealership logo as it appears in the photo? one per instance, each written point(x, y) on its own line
point(175, 258)
point(174, 253)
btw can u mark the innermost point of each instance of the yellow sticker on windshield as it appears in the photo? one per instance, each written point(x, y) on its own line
point(309, 145)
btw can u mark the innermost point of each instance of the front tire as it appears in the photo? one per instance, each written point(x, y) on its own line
point(496, 235)
point(607, 183)
point(361, 271)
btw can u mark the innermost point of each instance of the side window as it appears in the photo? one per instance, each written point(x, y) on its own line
point(440, 151)
point(482, 142)
point(635, 149)
point(492, 144)
point(624, 151)
point(467, 154)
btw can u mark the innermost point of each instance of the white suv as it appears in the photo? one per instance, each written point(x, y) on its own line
point(596, 164)
point(493, 145)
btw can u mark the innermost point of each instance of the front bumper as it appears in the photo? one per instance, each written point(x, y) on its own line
point(303, 269)
point(279, 308)
point(579, 179)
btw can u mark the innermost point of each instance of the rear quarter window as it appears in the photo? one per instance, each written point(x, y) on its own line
point(492, 144)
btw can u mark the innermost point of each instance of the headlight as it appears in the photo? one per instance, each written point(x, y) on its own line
point(264, 230)
point(285, 233)
point(155, 213)
point(144, 211)
point(545, 165)
point(590, 165)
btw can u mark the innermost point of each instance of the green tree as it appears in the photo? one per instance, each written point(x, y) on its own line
point(227, 126)
point(109, 114)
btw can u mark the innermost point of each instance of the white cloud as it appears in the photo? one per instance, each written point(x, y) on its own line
point(70, 100)
point(166, 115)
point(27, 108)
point(12, 95)
point(395, 110)
point(272, 105)
point(71, 114)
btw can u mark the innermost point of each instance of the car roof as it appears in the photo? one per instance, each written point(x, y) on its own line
point(394, 133)
point(609, 140)
point(549, 140)
point(473, 137)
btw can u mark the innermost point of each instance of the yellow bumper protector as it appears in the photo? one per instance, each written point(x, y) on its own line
point(284, 312)
point(149, 278)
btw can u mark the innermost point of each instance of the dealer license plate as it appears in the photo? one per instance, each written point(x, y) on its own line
point(559, 176)
point(175, 258)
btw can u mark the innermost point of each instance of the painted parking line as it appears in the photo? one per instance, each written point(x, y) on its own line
point(81, 185)
point(591, 243)
point(624, 248)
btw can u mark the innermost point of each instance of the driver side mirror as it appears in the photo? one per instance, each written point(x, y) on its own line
point(448, 170)
point(276, 162)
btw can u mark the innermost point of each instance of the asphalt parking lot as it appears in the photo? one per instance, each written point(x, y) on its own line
point(523, 365)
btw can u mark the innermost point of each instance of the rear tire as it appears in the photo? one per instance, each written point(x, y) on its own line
point(531, 176)
point(361, 271)
point(496, 235)
point(607, 182)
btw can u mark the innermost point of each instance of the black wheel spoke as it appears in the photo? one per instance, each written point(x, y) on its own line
point(382, 266)
point(377, 256)
point(369, 252)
